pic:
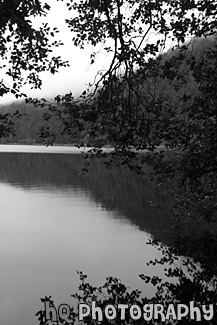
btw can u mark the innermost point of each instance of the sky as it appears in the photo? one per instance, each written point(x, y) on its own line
point(78, 75)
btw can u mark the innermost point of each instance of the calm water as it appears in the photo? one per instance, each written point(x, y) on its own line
point(54, 222)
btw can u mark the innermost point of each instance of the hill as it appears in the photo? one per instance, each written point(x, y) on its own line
point(172, 82)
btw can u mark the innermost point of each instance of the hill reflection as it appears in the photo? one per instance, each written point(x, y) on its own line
point(119, 190)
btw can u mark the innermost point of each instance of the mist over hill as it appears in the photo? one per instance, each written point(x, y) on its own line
point(26, 128)
point(169, 88)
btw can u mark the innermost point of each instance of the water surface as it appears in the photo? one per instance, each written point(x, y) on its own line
point(55, 221)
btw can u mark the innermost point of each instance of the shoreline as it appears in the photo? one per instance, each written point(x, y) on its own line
point(59, 148)
point(37, 148)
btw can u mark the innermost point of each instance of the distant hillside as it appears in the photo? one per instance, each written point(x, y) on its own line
point(167, 85)
point(177, 77)
point(26, 128)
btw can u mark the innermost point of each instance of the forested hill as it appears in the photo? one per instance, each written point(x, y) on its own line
point(26, 128)
point(169, 90)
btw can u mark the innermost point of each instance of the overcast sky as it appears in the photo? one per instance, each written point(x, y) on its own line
point(80, 72)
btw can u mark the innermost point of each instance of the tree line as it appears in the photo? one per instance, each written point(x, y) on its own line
point(144, 99)
point(28, 127)
point(27, 122)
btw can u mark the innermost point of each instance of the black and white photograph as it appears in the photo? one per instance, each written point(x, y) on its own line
point(108, 162)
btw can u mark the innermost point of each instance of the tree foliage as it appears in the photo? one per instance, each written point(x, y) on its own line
point(144, 99)
point(126, 107)
point(24, 48)
point(25, 51)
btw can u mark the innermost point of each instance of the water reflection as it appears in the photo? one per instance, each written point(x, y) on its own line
point(118, 190)
point(54, 222)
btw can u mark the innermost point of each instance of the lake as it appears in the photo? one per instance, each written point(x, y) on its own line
point(54, 221)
